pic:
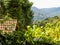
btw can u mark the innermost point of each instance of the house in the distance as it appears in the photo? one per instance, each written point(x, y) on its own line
point(8, 25)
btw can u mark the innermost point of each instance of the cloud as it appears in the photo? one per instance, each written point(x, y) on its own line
point(46, 3)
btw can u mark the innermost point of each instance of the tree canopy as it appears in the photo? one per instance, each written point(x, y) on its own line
point(20, 10)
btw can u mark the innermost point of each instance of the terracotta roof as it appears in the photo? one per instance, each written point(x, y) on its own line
point(9, 25)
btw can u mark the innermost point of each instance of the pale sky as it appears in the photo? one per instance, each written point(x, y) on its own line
point(46, 3)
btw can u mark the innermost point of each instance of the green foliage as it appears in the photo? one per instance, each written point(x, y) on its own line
point(20, 10)
point(17, 9)
point(48, 35)
point(2, 9)
point(15, 38)
point(52, 20)
point(43, 35)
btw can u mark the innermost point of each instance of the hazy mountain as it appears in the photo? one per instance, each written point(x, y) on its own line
point(40, 14)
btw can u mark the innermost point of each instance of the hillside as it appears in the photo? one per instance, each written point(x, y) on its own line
point(40, 14)
point(52, 20)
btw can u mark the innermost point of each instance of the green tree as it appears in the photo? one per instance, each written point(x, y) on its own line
point(2, 9)
point(20, 10)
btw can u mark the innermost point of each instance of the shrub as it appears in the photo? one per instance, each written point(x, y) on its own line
point(43, 35)
point(49, 34)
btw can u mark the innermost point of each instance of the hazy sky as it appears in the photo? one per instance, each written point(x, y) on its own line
point(46, 3)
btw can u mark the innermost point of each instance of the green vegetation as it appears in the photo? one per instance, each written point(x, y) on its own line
point(45, 32)
point(51, 20)
point(2, 9)
point(18, 9)
point(43, 35)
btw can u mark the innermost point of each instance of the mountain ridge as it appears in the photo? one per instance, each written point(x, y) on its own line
point(40, 14)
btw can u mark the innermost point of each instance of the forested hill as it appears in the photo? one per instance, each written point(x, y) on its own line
point(52, 20)
point(45, 12)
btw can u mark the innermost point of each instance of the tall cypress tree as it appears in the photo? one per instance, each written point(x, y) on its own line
point(20, 10)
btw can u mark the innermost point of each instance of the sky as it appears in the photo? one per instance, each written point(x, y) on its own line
point(45, 3)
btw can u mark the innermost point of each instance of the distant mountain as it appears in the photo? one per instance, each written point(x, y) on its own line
point(40, 14)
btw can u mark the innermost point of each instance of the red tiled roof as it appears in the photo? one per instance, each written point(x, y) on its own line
point(9, 25)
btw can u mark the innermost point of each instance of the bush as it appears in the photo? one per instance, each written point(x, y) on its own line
point(43, 35)
point(47, 35)
point(15, 38)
